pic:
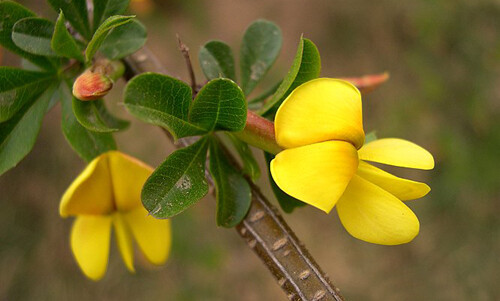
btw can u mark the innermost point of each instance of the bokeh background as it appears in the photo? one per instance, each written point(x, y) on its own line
point(444, 94)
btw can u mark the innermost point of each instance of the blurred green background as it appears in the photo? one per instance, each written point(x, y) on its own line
point(444, 94)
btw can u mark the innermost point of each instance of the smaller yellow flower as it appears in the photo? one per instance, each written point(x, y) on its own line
point(324, 163)
point(108, 194)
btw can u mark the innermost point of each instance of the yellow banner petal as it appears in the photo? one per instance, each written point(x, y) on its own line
point(397, 152)
point(152, 235)
point(401, 188)
point(90, 237)
point(320, 110)
point(124, 241)
point(90, 192)
point(128, 176)
point(374, 215)
point(316, 174)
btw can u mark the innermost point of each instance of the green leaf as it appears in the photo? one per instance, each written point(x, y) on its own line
point(87, 144)
point(161, 100)
point(33, 35)
point(102, 32)
point(94, 116)
point(256, 103)
point(17, 87)
point(306, 66)
point(260, 48)
point(232, 190)
point(124, 40)
point(250, 165)
point(216, 60)
point(76, 13)
point(178, 182)
point(287, 203)
point(18, 134)
point(107, 8)
point(10, 13)
point(63, 43)
point(220, 105)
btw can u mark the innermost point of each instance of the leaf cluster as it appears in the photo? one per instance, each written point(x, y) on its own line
point(58, 51)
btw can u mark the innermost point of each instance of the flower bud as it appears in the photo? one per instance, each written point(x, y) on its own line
point(92, 85)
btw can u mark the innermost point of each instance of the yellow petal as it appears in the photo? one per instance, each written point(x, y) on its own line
point(401, 188)
point(316, 174)
point(152, 235)
point(374, 215)
point(124, 241)
point(128, 175)
point(397, 152)
point(320, 110)
point(90, 192)
point(90, 237)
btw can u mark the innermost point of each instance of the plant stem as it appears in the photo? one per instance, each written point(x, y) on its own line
point(259, 132)
point(264, 230)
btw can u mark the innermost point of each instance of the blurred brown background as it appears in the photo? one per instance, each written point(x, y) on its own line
point(444, 59)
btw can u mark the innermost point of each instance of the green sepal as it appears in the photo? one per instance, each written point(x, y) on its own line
point(102, 32)
point(216, 60)
point(18, 86)
point(161, 100)
point(87, 144)
point(260, 47)
point(10, 13)
point(76, 13)
point(233, 192)
point(94, 116)
point(371, 136)
point(306, 66)
point(287, 202)
point(107, 8)
point(124, 40)
point(250, 165)
point(219, 105)
point(178, 182)
point(63, 43)
point(18, 134)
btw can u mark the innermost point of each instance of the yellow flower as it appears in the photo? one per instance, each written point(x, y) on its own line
point(324, 163)
point(108, 193)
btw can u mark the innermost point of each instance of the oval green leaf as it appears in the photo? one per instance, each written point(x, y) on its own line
point(216, 60)
point(220, 105)
point(178, 182)
point(107, 8)
point(33, 35)
point(232, 190)
point(63, 43)
point(250, 165)
point(161, 100)
point(10, 13)
point(76, 13)
point(18, 134)
point(87, 144)
point(260, 48)
point(102, 32)
point(94, 116)
point(124, 40)
point(17, 87)
point(305, 67)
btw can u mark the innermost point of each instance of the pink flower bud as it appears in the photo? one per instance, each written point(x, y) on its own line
point(91, 85)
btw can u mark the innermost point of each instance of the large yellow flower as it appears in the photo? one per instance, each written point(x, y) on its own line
point(324, 163)
point(108, 193)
